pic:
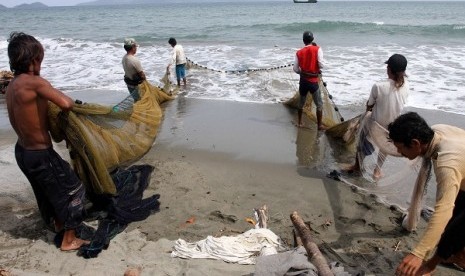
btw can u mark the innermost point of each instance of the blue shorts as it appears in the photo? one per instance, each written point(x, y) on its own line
point(180, 71)
point(314, 89)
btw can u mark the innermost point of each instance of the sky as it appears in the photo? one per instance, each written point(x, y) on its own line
point(12, 3)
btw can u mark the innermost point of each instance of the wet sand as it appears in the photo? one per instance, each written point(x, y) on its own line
point(214, 162)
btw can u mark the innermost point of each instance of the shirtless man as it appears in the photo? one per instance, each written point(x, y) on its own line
point(58, 190)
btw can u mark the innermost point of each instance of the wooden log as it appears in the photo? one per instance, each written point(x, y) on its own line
point(261, 214)
point(313, 252)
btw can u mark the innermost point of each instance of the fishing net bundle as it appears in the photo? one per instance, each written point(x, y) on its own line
point(103, 138)
point(5, 78)
point(331, 116)
point(103, 141)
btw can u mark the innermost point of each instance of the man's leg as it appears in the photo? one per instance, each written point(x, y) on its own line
point(452, 243)
point(315, 89)
point(319, 118)
point(299, 117)
point(379, 163)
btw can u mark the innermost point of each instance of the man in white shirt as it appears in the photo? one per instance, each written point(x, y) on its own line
point(179, 59)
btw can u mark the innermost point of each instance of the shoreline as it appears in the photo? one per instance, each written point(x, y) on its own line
point(215, 161)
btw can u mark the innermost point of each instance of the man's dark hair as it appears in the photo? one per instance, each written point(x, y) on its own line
point(410, 126)
point(23, 50)
point(172, 41)
point(129, 47)
point(307, 37)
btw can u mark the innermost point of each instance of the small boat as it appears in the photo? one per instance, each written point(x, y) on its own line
point(305, 1)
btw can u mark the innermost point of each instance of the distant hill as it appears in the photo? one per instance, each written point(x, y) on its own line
point(35, 5)
point(3, 7)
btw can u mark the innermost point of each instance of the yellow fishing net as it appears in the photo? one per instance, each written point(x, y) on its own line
point(102, 138)
point(331, 116)
point(5, 78)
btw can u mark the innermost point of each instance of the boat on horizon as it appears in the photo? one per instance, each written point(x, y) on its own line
point(305, 1)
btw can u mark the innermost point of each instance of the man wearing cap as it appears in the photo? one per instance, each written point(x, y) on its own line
point(133, 73)
point(308, 64)
point(443, 151)
point(385, 104)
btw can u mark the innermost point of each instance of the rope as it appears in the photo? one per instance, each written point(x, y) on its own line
point(334, 104)
point(192, 63)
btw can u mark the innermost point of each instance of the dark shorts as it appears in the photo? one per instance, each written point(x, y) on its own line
point(453, 238)
point(314, 89)
point(58, 191)
point(180, 71)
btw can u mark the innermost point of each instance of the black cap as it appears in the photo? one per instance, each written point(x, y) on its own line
point(308, 36)
point(397, 63)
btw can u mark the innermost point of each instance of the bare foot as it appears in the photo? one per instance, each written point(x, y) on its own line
point(322, 127)
point(299, 125)
point(377, 174)
point(351, 169)
point(132, 272)
point(76, 243)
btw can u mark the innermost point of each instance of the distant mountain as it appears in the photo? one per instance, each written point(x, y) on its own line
point(3, 7)
point(32, 6)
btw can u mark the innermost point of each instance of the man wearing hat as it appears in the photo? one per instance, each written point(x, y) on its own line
point(308, 64)
point(385, 104)
point(133, 73)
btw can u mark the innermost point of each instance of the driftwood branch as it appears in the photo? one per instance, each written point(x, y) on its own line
point(261, 214)
point(313, 252)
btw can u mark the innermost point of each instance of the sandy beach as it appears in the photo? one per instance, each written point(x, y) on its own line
point(215, 161)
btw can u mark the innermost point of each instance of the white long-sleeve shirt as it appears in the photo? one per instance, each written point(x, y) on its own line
point(178, 56)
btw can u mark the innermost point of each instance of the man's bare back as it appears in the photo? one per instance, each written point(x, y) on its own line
point(27, 99)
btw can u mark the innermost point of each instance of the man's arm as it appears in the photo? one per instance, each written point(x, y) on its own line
point(142, 75)
point(47, 91)
point(321, 62)
point(448, 187)
point(173, 58)
point(296, 66)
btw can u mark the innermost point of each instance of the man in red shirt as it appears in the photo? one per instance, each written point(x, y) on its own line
point(308, 64)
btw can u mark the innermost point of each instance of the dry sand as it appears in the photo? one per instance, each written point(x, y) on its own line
point(214, 162)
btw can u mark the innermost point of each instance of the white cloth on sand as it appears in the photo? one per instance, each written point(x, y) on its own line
point(241, 249)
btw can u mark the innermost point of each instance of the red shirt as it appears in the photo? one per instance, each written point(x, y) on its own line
point(308, 61)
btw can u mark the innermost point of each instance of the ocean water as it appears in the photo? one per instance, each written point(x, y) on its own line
point(245, 49)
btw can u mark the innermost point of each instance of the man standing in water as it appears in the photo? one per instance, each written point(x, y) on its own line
point(179, 59)
point(58, 190)
point(308, 64)
point(133, 73)
point(443, 149)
